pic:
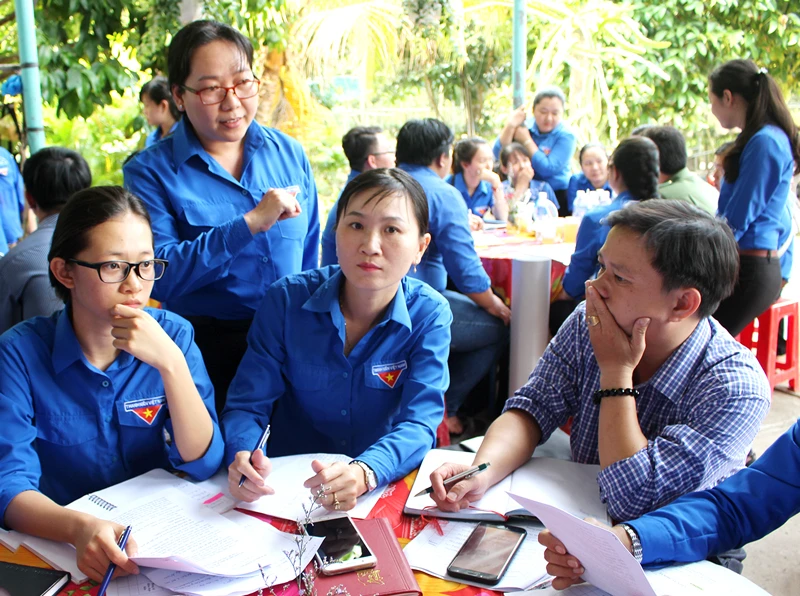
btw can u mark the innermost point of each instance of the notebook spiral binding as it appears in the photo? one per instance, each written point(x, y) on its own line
point(100, 502)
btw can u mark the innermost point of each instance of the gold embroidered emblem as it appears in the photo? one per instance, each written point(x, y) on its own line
point(370, 576)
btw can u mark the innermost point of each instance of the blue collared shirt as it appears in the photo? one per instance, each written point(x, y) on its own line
point(700, 412)
point(578, 182)
point(551, 162)
point(12, 201)
point(155, 136)
point(481, 201)
point(329, 233)
point(70, 429)
point(754, 204)
point(746, 507)
point(25, 290)
point(381, 404)
point(452, 249)
point(217, 267)
point(591, 237)
point(787, 240)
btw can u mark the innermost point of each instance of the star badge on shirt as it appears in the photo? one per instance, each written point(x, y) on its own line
point(146, 409)
point(389, 373)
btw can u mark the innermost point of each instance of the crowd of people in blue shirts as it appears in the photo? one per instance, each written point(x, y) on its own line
point(368, 349)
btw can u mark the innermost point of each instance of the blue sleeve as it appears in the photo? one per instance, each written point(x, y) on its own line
point(20, 469)
point(747, 506)
point(193, 264)
point(497, 148)
point(13, 206)
point(421, 408)
point(259, 380)
point(760, 173)
point(583, 262)
point(684, 455)
point(329, 239)
point(451, 233)
point(572, 190)
point(311, 242)
point(208, 464)
point(557, 161)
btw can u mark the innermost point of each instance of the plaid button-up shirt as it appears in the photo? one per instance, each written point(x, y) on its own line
point(700, 413)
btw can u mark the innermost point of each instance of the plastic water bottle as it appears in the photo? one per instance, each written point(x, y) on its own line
point(580, 205)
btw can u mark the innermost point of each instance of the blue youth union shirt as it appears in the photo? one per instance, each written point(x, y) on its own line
point(12, 201)
point(63, 419)
point(381, 404)
point(217, 267)
point(481, 201)
point(329, 233)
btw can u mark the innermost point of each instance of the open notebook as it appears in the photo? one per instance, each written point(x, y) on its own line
point(564, 484)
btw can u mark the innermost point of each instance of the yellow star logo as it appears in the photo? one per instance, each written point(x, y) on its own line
point(148, 413)
point(390, 377)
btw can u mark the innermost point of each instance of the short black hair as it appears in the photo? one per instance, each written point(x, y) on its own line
point(689, 247)
point(671, 148)
point(358, 144)
point(636, 158)
point(464, 151)
point(196, 35)
point(86, 210)
point(421, 142)
point(547, 92)
point(157, 89)
point(53, 174)
point(505, 152)
point(386, 182)
point(640, 129)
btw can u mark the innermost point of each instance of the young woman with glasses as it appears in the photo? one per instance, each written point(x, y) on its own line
point(233, 203)
point(89, 394)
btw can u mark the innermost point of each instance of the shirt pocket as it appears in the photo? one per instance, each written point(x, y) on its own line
point(295, 228)
point(141, 430)
point(304, 376)
point(66, 430)
point(208, 214)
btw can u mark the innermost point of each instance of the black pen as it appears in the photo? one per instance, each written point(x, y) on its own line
point(260, 445)
point(456, 479)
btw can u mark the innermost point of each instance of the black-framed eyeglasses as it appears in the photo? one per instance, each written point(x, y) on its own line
point(210, 96)
point(114, 272)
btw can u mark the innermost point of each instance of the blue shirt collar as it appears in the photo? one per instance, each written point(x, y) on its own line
point(67, 350)
point(326, 299)
point(421, 171)
point(672, 377)
point(535, 128)
point(185, 143)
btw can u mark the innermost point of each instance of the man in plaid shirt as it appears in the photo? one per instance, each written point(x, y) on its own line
point(683, 400)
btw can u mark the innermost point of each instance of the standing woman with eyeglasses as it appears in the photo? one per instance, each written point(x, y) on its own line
point(755, 187)
point(88, 393)
point(234, 204)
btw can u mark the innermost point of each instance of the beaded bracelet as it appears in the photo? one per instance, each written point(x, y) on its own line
point(601, 393)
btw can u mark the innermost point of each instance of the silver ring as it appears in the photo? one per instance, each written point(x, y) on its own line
point(592, 320)
point(336, 504)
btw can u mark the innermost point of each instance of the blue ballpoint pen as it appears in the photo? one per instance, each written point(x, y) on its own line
point(260, 445)
point(123, 540)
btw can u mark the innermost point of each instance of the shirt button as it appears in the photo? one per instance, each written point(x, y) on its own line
point(265, 259)
point(344, 375)
point(114, 459)
point(105, 383)
point(108, 419)
point(344, 442)
point(344, 412)
point(244, 192)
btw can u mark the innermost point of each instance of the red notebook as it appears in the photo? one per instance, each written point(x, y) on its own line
point(392, 576)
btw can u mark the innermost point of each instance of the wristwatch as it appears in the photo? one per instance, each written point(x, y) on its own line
point(369, 475)
point(636, 544)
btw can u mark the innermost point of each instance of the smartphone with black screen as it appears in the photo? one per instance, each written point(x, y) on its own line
point(487, 553)
point(343, 548)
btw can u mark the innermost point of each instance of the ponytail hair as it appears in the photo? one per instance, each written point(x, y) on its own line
point(765, 105)
point(464, 151)
point(636, 159)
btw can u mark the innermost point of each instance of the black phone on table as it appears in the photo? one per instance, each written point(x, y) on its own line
point(343, 548)
point(487, 553)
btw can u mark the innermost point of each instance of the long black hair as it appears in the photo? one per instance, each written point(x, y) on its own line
point(765, 105)
point(636, 159)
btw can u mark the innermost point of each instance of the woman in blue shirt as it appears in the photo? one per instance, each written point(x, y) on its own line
point(548, 140)
point(755, 188)
point(473, 176)
point(594, 172)
point(347, 359)
point(633, 176)
point(88, 394)
point(159, 110)
point(234, 204)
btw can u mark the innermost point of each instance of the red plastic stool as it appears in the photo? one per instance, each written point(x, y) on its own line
point(762, 334)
